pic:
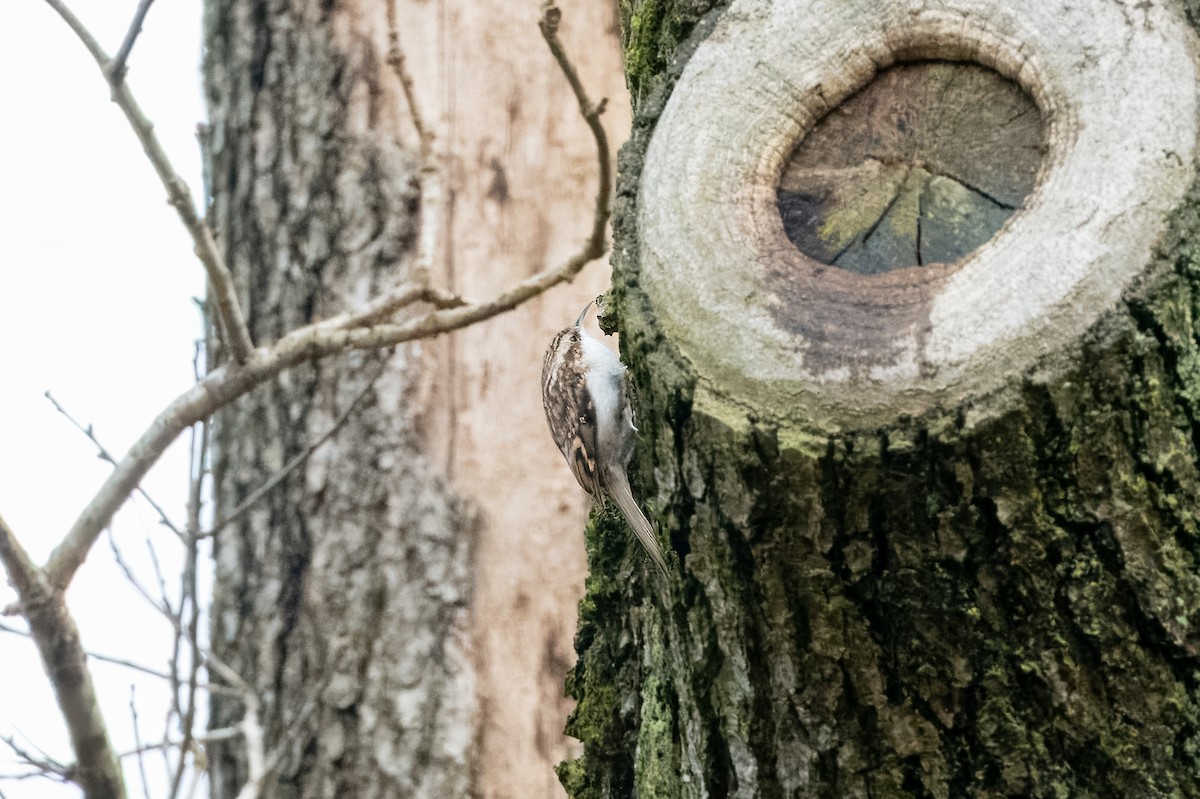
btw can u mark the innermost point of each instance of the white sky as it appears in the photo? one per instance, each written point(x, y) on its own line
point(96, 281)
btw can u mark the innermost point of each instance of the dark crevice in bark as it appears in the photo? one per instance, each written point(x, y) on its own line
point(719, 767)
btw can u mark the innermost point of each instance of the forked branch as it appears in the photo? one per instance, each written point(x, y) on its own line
point(360, 330)
point(57, 639)
point(220, 280)
point(439, 311)
point(116, 70)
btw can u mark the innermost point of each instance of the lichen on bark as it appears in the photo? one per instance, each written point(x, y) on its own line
point(946, 605)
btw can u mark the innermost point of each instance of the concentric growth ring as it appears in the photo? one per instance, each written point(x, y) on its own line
point(768, 325)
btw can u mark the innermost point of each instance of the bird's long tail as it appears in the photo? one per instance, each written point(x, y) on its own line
point(618, 489)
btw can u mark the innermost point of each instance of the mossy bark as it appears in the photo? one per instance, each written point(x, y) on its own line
point(940, 607)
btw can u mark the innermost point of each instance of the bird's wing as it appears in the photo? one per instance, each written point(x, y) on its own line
point(580, 450)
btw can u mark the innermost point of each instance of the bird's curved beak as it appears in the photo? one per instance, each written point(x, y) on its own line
point(583, 313)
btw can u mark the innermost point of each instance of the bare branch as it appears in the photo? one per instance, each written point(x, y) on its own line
point(116, 70)
point(258, 775)
point(226, 383)
point(164, 600)
point(400, 297)
point(137, 741)
point(220, 669)
point(31, 775)
point(551, 17)
point(45, 765)
point(40, 591)
point(189, 596)
point(162, 606)
point(431, 176)
point(256, 761)
point(106, 456)
point(23, 574)
point(48, 767)
point(396, 59)
point(220, 280)
point(250, 727)
point(57, 639)
point(223, 734)
point(128, 664)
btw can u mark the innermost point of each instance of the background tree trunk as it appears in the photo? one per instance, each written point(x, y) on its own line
point(523, 182)
point(341, 598)
point(378, 600)
point(939, 604)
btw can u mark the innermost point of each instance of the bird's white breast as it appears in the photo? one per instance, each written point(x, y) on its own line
point(605, 375)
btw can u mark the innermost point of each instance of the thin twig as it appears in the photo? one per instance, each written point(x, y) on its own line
point(225, 384)
point(116, 70)
point(198, 353)
point(430, 233)
point(189, 596)
point(223, 670)
point(129, 664)
point(400, 297)
point(431, 178)
point(45, 764)
point(195, 475)
point(275, 479)
point(107, 457)
point(250, 725)
point(220, 280)
point(162, 605)
point(551, 18)
point(164, 744)
point(212, 736)
point(158, 575)
point(256, 761)
point(397, 60)
point(137, 741)
point(258, 777)
point(48, 767)
point(194, 785)
point(32, 775)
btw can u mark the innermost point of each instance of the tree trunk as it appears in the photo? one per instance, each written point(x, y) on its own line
point(384, 624)
point(935, 518)
point(341, 597)
point(523, 178)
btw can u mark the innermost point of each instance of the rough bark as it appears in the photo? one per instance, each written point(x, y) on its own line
point(341, 598)
point(427, 655)
point(938, 604)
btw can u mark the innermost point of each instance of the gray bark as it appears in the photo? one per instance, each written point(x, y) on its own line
point(342, 597)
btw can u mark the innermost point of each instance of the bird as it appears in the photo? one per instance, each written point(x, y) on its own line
point(585, 396)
